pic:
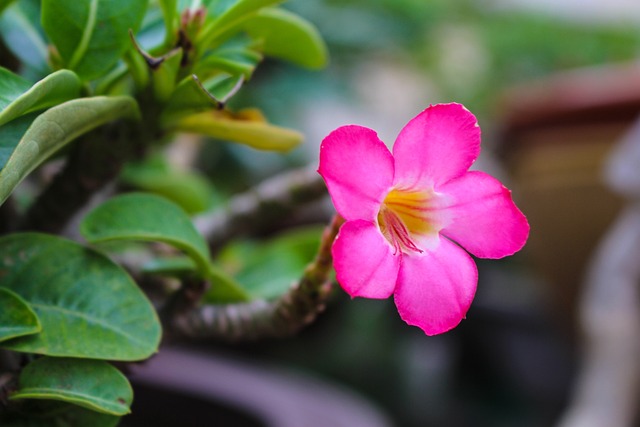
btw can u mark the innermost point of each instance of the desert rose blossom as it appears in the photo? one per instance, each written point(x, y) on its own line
point(410, 214)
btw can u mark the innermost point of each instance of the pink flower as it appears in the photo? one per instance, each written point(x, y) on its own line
point(405, 210)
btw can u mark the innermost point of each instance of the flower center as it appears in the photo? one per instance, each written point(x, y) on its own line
point(404, 218)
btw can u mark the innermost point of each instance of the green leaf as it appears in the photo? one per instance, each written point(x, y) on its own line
point(287, 36)
point(237, 56)
point(175, 267)
point(230, 18)
point(16, 317)
point(51, 413)
point(267, 269)
point(147, 217)
point(170, 15)
point(87, 305)
point(92, 384)
point(189, 189)
point(53, 129)
point(54, 89)
point(189, 97)
point(10, 134)
point(91, 35)
point(23, 35)
point(164, 77)
point(246, 127)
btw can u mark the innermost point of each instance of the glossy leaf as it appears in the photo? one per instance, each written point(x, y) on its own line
point(287, 36)
point(16, 316)
point(54, 89)
point(230, 17)
point(53, 129)
point(23, 35)
point(87, 305)
point(189, 189)
point(91, 35)
point(51, 413)
point(147, 217)
point(92, 384)
point(246, 127)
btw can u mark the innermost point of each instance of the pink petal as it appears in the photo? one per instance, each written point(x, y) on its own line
point(364, 262)
point(435, 290)
point(484, 219)
point(358, 170)
point(437, 145)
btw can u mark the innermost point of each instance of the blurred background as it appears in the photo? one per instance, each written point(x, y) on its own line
point(555, 86)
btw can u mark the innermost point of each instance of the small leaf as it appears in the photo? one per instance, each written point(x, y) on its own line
point(287, 36)
point(189, 189)
point(230, 18)
point(16, 317)
point(91, 35)
point(189, 97)
point(54, 89)
point(164, 77)
point(24, 37)
point(92, 384)
point(87, 305)
point(236, 56)
point(170, 15)
point(146, 217)
point(267, 269)
point(246, 127)
point(53, 129)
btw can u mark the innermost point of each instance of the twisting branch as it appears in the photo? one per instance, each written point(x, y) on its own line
point(262, 319)
point(263, 205)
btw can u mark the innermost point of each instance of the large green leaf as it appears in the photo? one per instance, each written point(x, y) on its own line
point(147, 217)
point(87, 305)
point(16, 317)
point(92, 384)
point(287, 36)
point(10, 134)
point(23, 35)
point(247, 127)
point(54, 128)
point(228, 17)
point(16, 100)
point(91, 35)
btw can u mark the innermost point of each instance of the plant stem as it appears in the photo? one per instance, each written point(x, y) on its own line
point(261, 206)
point(262, 319)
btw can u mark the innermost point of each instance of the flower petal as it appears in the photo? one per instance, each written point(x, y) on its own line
point(435, 290)
point(437, 145)
point(364, 262)
point(358, 170)
point(483, 217)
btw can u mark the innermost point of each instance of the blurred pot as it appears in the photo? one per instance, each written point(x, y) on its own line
point(188, 389)
point(557, 133)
